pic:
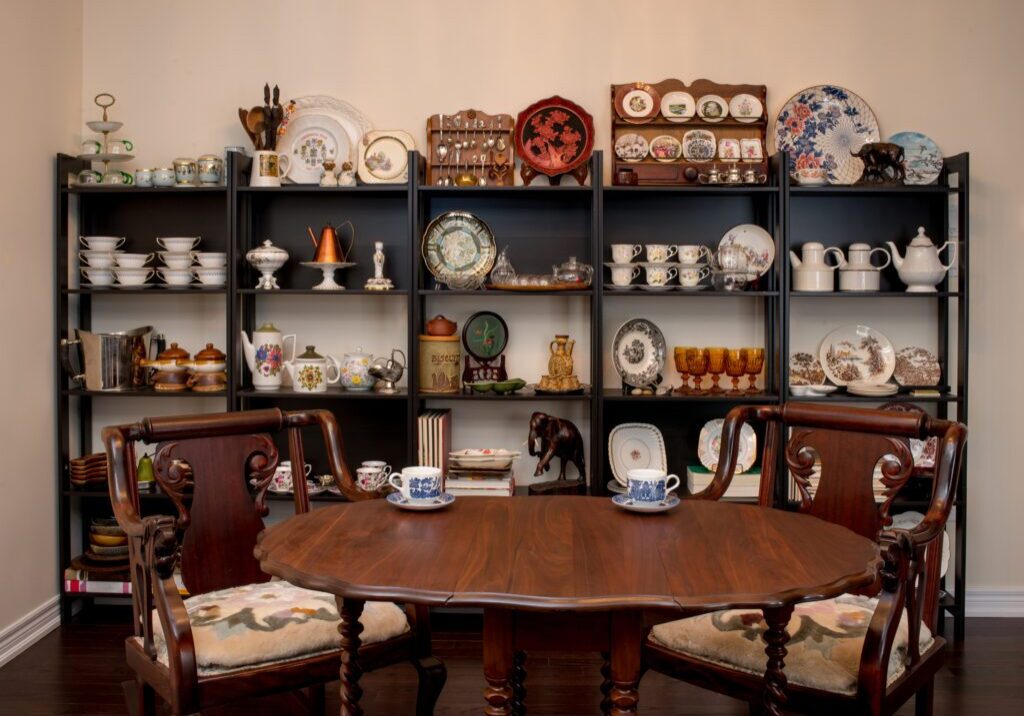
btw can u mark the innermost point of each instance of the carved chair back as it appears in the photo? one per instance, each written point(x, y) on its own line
point(835, 451)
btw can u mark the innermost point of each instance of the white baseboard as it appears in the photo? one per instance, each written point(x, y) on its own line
point(32, 627)
point(995, 602)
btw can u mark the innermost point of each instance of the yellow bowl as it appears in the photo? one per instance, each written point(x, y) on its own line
point(107, 540)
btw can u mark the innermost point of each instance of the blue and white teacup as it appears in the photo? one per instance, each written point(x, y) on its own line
point(420, 483)
point(652, 486)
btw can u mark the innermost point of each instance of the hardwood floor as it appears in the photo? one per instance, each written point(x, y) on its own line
point(79, 668)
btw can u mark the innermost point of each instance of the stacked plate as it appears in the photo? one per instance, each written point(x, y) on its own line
point(872, 390)
point(482, 459)
point(108, 544)
point(88, 469)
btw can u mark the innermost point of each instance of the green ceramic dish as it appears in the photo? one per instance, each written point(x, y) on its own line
point(482, 386)
point(511, 385)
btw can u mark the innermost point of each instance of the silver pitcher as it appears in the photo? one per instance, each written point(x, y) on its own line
point(107, 361)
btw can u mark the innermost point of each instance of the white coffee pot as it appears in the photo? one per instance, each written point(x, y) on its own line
point(265, 356)
point(810, 270)
point(311, 372)
point(857, 273)
point(920, 268)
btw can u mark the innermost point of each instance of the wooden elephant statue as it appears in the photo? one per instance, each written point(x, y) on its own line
point(883, 163)
point(558, 438)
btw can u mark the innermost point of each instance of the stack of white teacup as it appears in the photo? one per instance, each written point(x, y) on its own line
point(660, 270)
point(103, 265)
point(180, 269)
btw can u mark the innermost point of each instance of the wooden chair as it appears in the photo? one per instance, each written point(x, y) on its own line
point(238, 634)
point(725, 651)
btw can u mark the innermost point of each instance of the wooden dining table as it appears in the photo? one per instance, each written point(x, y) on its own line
point(568, 572)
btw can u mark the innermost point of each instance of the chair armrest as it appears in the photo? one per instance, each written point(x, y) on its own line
point(120, 479)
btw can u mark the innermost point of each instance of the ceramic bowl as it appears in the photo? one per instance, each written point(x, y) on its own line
point(178, 243)
point(504, 387)
point(164, 176)
point(482, 386)
point(178, 260)
point(98, 276)
point(125, 260)
point(97, 259)
point(133, 276)
point(107, 540)
point(211, 276)
point(104, 521)
point(175, 277)
point(811, 176)
point(110, 531)
point(212, 259)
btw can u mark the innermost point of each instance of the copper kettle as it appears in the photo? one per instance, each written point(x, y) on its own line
point(328, 248)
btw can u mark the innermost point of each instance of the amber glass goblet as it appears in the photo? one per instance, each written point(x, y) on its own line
point(697, 362)
point(735, 367)
point(716, 366)
point(754, 359)
point(684, 370)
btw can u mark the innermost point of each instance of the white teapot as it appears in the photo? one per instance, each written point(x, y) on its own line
point(920, 268)
point(311, 372)
point(812, 273)
point(857, 273)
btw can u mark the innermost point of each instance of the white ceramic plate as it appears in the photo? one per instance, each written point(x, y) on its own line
point(666, 148)
point(384, 157)
point(917, 366)
point(709, 446)
point(728, 149)
point(756, 242)
point(805, 369)
point(712, 108)
point(638, 352)
point(872, 390)
point(857, 354)
point(646, 507)
point(746, 108)
point(354, 125)
point(699, 145)
point(922, 158)
point(634, 446)
point(310, 140)
point(631, 147)
point(400, 502)
point(678, 106)
point(639, 104)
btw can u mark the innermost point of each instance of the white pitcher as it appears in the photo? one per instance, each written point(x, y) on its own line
point(812, 273)
point(265, 355)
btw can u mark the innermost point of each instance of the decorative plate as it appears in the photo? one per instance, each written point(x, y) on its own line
point(666, 148)
point(311, 139)
point(709, 446)
point(712, 108)
point(917, 366)
point(922, 158)
point(805, 369)
point(699, 145)
point(729, 149)
point(756, 242)
point(820, 126)
point(615, 487)
point(857, 354)
point(631, 147)
point(910, 520)
point(638, 352)
point(872, 390)
point(923, 451)
point(678, 106)
point(637, 103)
point(633, 446)
point(396, 499)
point(458, 248)
point(751, 150)
point(329, 112)
point(554, 136)
point(631, 505)
point(746, 108)
point(485, 336)
point(384, 157)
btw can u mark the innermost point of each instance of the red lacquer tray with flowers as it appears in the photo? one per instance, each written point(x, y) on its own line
point(554, 137)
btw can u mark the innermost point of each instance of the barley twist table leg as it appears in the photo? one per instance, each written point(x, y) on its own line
point(350, 610)
point(498, 661)
point(606, 683)
point(774, 677)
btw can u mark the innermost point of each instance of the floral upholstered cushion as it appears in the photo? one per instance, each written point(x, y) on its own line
point(262, 624)
point(826, 639)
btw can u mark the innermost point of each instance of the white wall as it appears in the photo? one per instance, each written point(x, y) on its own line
point(181, 69)
point(40, 51)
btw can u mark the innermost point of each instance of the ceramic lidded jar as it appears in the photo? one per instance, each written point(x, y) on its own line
point(211, 169)
point(857, 273)
point(310, 372)
point(441, 326)
point(355, 371)
point(267, 259)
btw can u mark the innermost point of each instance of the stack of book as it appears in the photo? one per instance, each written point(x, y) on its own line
point(744, 485)
point(481, 473)
point(434, 438)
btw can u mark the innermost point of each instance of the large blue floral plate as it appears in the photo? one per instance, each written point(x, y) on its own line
point(922, 158)
point(823, 126)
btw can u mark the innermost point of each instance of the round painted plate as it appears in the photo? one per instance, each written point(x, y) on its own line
point(746, 108)
point(666, 148)
point(857, 354)
point(917, 366)
point(709, 446)
point(384, 157)
point(400, 502)
point(646, 507)
point(485, 336)
point(639, 103)
point(820, 126)
point(678, 106)
point(308, 141)
point(712, 108)
point(923, 451)
point(458, 248)
point(699, 145)
point(554, 136)
point(631, 147)
point(922, 158)
point(635, 446)
point(756, 242)
point(638, 352)
point(805, 369)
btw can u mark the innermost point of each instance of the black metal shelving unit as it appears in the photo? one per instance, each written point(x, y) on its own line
point(543, 225)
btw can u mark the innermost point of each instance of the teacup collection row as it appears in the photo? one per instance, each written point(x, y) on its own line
point(371, 476)
point(104, 265)
point(687, 263)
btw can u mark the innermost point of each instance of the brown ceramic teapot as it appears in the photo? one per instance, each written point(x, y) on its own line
point(441, 326)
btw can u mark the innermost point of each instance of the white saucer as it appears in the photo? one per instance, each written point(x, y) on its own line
point(614, 486)
point(632, 506)
point(648, 287)
point(628, 287)
point(698, 287)
point(397, 500)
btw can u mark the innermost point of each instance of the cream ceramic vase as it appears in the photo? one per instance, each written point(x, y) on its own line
point(265, 356)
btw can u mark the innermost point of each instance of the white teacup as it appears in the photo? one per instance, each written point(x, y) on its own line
point(125, 260)
point(178, 244)
point(98, 276)
point(420, 483)
point(119, 146)
point(691, 276)
point(133, 276)
point(690, 254)
point(378, 465)
point(660, 253)
point(624, 275)
point(101, 243)
point(624, 253)
point(373, 476)
point(210, 276)
point(283, 480)
point(648, 486)
point(97, 259)
point(177, 259)
point(175, 277)
point(91, 146)
point(212, 259)
point(659, 274)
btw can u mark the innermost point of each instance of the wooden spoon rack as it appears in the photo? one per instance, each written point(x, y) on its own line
point(475, 157)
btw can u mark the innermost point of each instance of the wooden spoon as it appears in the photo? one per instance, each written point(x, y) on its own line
point(255, 123)
point(243, 115)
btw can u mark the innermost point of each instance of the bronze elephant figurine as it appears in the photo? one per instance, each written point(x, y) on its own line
point(558, 438)
point(883, 163)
